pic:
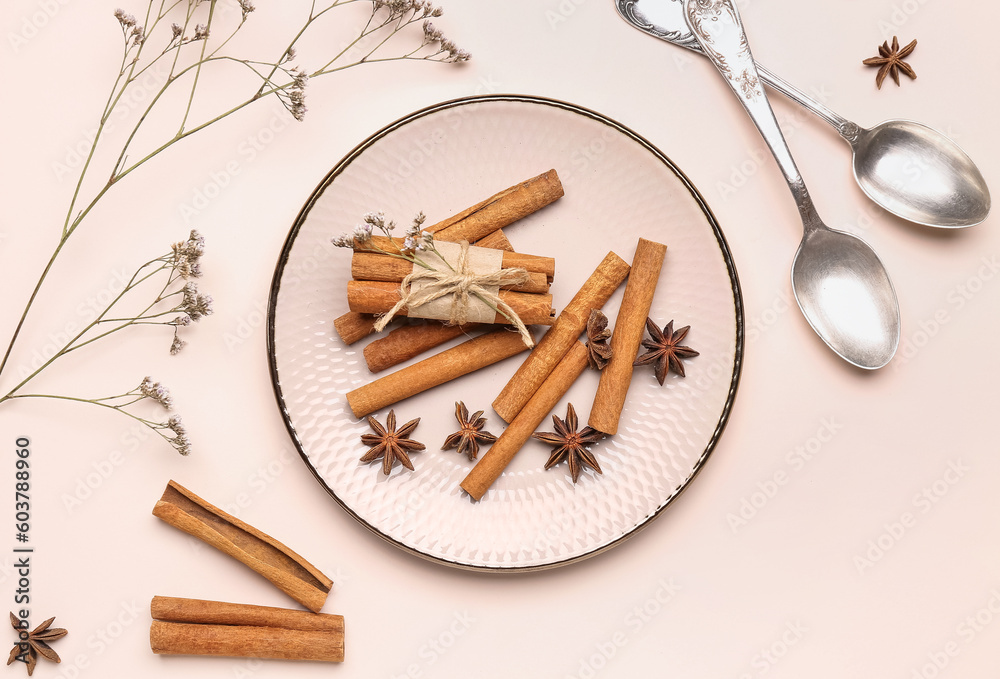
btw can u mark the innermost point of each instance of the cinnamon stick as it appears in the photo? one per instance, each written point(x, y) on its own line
point(245, 641)
point(496, 240)
point(617, 375)
point(372, 266)
point(407, 341)
point(501, 209)
point(354, 326)
point(553, 388)
point(205, 612)
point(443, 367)
point(287, 570)
point(378, 297)
point(560, 337)
point(369, 258)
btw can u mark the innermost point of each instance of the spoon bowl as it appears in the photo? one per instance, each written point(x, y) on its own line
point(916, 173)
point(839, 282)
point(911, 170)
point(847, 297)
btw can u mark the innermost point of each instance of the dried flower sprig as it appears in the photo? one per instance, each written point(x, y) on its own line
point(195, 41)
point(175, 305)
point(414, 239)
point(172, 430)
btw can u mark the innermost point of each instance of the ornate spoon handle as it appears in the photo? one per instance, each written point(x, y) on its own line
point(719, 31)
point(683, 37)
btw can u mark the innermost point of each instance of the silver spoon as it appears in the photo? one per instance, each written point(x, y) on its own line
point(911, 170)
point(838, 280)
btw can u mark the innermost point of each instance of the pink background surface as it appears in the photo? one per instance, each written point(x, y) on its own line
point(845, 525)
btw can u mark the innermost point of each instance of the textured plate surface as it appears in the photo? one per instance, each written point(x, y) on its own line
point(618, 188)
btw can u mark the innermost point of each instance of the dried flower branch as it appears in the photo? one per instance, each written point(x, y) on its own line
point(176, 304)
point(196, 41)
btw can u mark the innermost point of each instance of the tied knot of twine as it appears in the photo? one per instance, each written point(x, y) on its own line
point(461, 283)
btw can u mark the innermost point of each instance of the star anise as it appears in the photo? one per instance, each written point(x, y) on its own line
point(470, 434)
point(571, 444)
point(890, 61)
point(598, 349)
point(665, 350)
point(38, 643)
point(390, 445)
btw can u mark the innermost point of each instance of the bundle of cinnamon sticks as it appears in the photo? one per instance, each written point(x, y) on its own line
point(374, 288)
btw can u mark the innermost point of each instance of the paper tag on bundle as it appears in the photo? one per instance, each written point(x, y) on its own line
point(478, 262)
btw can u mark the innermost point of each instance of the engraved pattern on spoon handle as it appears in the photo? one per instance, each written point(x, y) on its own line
point(717, 27)
point(633, 15)
point(631, 11)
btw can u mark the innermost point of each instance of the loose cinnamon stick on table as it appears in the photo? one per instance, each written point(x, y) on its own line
point(443, 367)
point(199, 627)
point(407, 341)
point(287, 570)
point(378, 297)
point(561, 336)
point(553, 388)
point(204, 612)
point(617, 375)
point(244, 641)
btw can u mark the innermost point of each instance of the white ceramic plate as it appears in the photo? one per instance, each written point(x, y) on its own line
point(618, 188)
